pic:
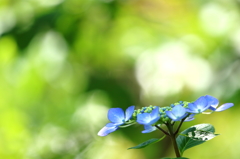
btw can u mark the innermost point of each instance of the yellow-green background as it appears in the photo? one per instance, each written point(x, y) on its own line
point(64, 63)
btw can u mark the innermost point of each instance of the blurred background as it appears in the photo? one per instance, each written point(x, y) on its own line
point(64, 63)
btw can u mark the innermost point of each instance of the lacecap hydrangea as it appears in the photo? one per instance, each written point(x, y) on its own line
point(153, 117)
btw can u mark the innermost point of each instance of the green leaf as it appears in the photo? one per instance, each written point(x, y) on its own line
point(194, 136)
point(146, 143)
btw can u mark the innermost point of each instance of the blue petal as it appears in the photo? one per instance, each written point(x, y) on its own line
point(212, 108)
point(149, 118)
point(148, 129)
point(181, 117)
point(224, 107)
point(192, 108)
point(192, 111)
point(129, 112)
point(170, 115)
point(154, 115)
point(155, 111)
point(179, 111)
point(116, 115)
point(109, 128)
point(213, 102)
point(201, 103)
point(190, 118)
point(144, 118)
point(111, 124)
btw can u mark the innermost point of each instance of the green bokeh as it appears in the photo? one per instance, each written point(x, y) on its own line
point(64, 63)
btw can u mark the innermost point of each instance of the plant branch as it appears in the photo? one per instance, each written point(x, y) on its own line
point(179, 126)
point(166, 133)
point(173, 139)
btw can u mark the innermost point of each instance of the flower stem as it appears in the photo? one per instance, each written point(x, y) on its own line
point(172, 135)
point(179, 126)
point(166, 133)
point(173, 139)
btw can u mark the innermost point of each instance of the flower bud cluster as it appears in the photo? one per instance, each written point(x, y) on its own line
point(162, 111)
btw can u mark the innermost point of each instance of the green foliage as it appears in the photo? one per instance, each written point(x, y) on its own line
point(147, 143)
point(194, 136)
point(64, 63)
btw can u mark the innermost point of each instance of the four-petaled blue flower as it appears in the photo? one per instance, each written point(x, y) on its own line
point(207, 102)
point(117, 118)
point(199, 106)
point(213, 104)
point(147, 119)
point(177, 113)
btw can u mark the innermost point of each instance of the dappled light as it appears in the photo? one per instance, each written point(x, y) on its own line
point(172, 63)
point(65, 63)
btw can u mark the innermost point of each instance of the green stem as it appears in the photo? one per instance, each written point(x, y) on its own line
point(166, 133)
point(173, 139)
point(179, 126)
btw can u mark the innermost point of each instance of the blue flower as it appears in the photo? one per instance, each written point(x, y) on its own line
point(207, 102)
point(117, 118)
point(147, 119)
point(177, 113)
point(213, 104)
point(199, 106)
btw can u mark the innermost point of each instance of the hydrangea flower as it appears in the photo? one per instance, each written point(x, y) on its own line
point(117, 118)
point(199, 106)
point(147, 119)
point(207, 102)
point(213, 104)
point(177, 113)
